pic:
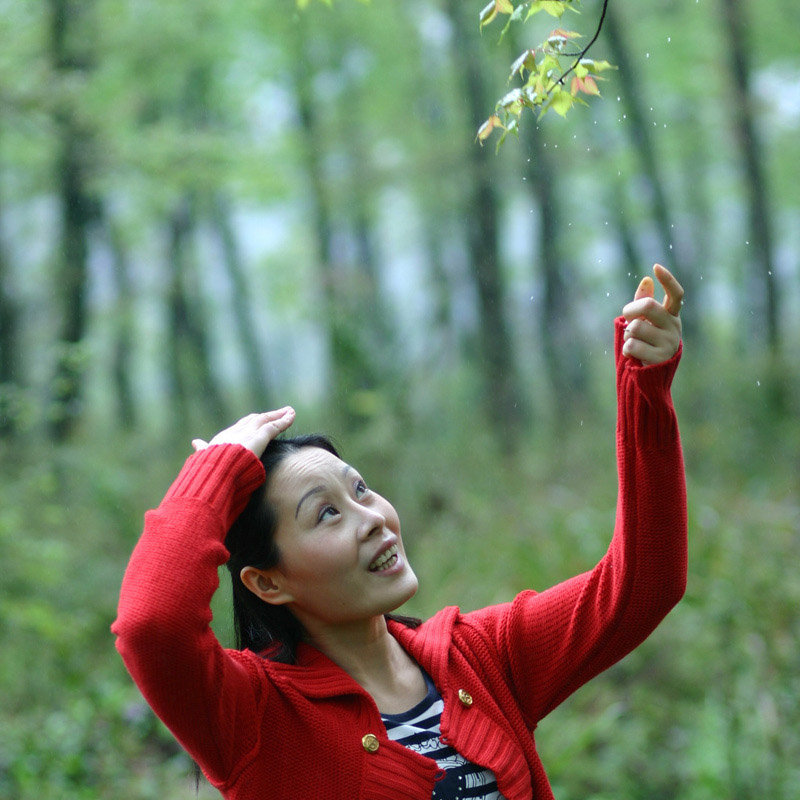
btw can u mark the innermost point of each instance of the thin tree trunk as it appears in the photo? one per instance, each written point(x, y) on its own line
point(751, 150)
point(76, 208)
point(9, 343)
point(502, 395)
point(557, 330)
point(190, 370)
point(344, 360)
point(260, 396)
point(663, 216)
point(124, 331)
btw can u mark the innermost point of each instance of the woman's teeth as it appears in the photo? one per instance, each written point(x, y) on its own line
point(385, 560)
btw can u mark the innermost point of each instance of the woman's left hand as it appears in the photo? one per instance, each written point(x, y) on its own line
point(653, 333)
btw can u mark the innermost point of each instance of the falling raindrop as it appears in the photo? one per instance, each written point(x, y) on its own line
point(758, 383)
point(669, 38)
point(647, 55)
point(608, 294)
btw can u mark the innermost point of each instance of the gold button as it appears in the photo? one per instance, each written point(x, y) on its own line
point(371, 743)
point(465, 697)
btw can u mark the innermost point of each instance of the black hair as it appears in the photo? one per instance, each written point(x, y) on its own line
point(270, 630)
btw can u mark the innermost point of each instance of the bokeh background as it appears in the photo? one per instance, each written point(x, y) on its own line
point(209, 208)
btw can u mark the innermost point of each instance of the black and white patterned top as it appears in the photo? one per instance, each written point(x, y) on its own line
point(418, 729)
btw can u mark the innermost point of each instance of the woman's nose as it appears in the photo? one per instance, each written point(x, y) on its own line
point(372, 522)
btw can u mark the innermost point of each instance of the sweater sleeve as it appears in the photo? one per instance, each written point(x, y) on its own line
point(551, 643)
point(207, 696)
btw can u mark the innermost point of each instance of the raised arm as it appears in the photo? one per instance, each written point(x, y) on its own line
point(551, 643)
point(209, 697)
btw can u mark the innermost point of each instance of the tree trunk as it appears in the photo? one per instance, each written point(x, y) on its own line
point(260, 396)
point(76, 209)
point(124, 329)
point(190, 370)
point(502, 395)
point(663, 217)
point(347, 367)
point(9, 343)
point(764, 281)
point(562, 353)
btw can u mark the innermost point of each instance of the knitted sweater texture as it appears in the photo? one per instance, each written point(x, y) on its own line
point(262, 730)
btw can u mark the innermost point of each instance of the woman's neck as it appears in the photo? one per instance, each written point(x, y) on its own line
point(374, 659)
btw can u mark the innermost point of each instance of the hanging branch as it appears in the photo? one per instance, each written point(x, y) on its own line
point(545, 87)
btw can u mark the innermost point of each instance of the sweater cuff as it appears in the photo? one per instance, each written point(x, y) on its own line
point(223, 476)
point(643, 394)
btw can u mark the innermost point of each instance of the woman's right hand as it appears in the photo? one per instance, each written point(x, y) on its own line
point(255, 431)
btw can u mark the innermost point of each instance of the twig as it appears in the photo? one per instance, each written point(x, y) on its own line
point(586, 49)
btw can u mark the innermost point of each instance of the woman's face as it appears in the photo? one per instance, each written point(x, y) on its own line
point(342, 558)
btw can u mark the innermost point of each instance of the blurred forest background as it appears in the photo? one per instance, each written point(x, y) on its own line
point(209, 208)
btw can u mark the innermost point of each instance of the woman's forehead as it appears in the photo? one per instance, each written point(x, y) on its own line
point(309, 464)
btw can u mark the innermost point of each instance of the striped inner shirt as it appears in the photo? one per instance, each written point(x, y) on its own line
point(418, 729)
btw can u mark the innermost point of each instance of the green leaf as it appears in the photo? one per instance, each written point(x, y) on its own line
point(526, 61)
point(561, 102)
point(595, 67)
point(555, 8)
point(488, 14)
point(512, 102)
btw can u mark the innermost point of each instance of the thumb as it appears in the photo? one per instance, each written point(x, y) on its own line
point(646, 288)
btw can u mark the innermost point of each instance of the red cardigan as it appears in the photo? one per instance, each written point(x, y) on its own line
point(265, 730)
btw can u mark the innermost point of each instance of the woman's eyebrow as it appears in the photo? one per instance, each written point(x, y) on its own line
point(315, 490)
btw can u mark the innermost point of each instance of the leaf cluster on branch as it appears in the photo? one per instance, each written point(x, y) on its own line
point(544, 69)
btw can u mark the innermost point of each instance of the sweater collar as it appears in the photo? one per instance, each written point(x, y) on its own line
point(315, 675)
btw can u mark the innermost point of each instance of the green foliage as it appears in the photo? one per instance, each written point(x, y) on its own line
point(547, 67)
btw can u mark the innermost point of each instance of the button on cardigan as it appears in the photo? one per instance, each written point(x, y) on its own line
point(262, 730)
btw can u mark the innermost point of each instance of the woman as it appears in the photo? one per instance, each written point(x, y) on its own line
point(328, 697)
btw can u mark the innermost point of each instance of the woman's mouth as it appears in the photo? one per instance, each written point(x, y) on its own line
point(386, 560)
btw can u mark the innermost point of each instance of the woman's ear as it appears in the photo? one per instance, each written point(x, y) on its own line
point(266, 584)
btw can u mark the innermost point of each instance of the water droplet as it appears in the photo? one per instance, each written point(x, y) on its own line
point(647, 55)
point(608, 294)
point(581, 423)
point(670, 247)
point(746, 242)
point(769, 272)
point(669, 38)
point(758, 383)
point(618, 98)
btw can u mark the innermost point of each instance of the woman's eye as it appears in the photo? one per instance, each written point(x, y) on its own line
point(361, 488)
point(326, 512)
